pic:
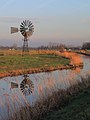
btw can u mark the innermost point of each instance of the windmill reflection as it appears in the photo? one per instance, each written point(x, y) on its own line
point(26, 85)
point(14, 85)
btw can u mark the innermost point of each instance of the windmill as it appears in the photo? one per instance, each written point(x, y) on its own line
point(26, 29)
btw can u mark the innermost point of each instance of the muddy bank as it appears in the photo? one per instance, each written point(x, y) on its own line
point(87, 54)
point(37, 70)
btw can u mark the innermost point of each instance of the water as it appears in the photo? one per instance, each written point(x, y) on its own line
point(12, 96)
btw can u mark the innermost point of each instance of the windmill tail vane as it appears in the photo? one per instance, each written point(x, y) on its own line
point(14, 30)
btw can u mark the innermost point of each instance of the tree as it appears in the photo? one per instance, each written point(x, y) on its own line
point(86, 45)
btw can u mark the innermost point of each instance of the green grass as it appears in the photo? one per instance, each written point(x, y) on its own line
point(31, 61)
point(78, 109)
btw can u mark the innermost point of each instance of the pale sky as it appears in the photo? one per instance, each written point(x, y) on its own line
point(59, 21)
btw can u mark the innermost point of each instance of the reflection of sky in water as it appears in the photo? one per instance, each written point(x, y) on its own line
point(59, 79)
point(86, 62)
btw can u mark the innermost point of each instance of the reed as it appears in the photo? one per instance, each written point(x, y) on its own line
point(53, 101)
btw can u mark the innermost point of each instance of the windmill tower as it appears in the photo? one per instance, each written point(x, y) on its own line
point(26, 29)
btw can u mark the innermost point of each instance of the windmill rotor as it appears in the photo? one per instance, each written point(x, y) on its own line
point(26, 28)
point(26, 86)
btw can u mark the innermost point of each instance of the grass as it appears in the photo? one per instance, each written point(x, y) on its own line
point(70, 104)
point(78, 109)
point(14, 62)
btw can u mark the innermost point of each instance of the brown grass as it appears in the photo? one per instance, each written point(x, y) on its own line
point(54, 100)
point(74, 57)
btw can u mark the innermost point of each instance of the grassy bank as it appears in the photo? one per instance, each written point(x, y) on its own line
point(12, 65)
point(78, 109)
point(31, 61)
point(70, 104)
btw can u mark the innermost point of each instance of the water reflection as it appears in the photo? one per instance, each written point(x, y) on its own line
point(14, 85)
point(26, 85)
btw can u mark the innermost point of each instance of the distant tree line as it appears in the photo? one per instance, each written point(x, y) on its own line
point(86, 45)
point(50, 46)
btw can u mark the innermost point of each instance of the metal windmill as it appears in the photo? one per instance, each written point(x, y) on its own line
point(26, 29)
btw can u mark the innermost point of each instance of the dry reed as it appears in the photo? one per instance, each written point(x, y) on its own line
point(53, 101)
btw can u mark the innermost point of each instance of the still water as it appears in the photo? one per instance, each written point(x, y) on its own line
point(16, 91)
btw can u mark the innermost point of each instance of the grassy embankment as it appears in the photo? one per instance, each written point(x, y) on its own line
point(78, 109)
point(32, 61)
point(12, 63)
point(70, 104)
point(17, 64)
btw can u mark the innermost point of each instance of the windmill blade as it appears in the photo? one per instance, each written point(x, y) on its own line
point(22, 28)
point(24, 22)
point(31, 27)
point(14, 30)
point(21, 25)
point(29, 24)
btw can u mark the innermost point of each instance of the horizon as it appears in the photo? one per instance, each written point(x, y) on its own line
point(55, 21)
point(43, 43)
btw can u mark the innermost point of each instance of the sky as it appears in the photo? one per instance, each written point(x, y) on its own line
point(56, 21)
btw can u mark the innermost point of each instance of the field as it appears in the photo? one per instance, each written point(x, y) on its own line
point(15, 62)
